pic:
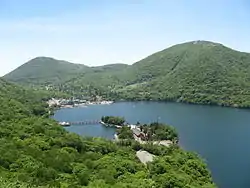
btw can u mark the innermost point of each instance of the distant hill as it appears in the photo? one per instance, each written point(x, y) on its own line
point(45, 70)
point(197, 72)
point(200, 72)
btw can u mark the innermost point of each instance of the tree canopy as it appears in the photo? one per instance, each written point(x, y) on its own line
point(159, 131)
point(113, 120)
point(125, 133)
point(37, 152)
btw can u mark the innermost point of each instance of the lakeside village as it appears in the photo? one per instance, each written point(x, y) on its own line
point(71, 103)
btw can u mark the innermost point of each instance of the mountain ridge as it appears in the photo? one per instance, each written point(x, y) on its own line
point(200, 72)
point(49, 70)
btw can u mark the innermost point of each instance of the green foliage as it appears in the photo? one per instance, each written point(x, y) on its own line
point(159, 131)
point(125, 133)
point(37, 152)
point(113, 120)
point(184, 171)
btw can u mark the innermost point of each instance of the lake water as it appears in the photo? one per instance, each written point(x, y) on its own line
point(220, 135)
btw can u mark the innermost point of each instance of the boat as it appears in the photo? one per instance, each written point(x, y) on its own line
point(64, 124)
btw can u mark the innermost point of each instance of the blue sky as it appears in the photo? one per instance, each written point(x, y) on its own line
point(97, 32)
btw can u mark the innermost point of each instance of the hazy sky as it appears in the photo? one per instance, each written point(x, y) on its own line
point(97, 32)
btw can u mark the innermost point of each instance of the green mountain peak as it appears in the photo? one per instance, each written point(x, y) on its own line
point(197, 71)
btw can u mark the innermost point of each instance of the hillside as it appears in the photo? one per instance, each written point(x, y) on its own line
point(37, 152)
point(12, 98)
point(48, 71)
point(196, 72)
point(45, 70)
point(110, 67)
point(200, 72)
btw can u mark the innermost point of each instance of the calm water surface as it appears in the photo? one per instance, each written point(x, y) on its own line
point(220, 135)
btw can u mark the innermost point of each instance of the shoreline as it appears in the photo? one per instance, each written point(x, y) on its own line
point(56, 103)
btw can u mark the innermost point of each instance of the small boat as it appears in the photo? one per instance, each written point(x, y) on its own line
point(65, 124)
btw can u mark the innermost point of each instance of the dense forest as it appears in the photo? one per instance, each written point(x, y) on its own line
point(37, 152)
point(198, 72)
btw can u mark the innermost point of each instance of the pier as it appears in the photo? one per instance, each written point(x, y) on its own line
point(88, 122)
point(85, 122)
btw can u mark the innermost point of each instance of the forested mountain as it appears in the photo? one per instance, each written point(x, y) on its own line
point(37, 152)
point(197, 72)
point(45, 70)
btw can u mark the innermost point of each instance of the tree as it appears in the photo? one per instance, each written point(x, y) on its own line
point(125, 133)
point(113, 120)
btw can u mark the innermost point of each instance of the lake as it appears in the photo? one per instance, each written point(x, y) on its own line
point(220, 135)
